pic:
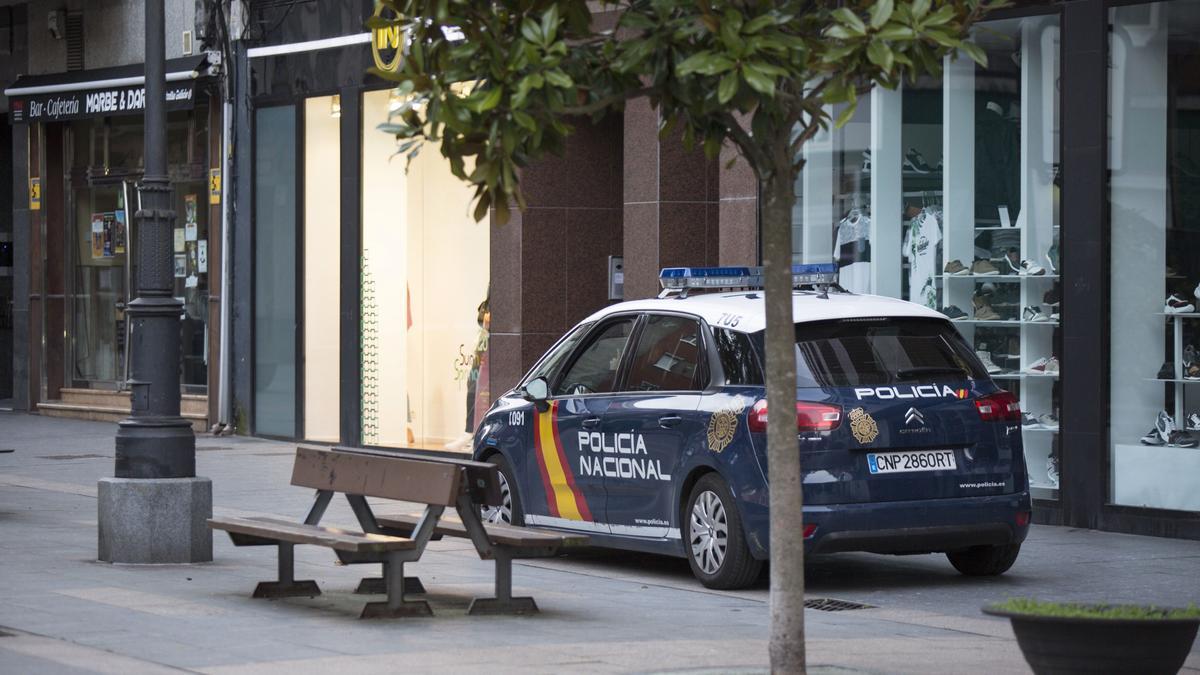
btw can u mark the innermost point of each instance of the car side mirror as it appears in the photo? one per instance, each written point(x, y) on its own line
point(536, 392)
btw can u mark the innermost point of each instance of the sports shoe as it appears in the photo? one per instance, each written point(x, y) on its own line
point(1152, 437)
point(1165, 425)
point(1029, 420)
point(1182, 439)
point(1044, 366)
point(866, 161)
point(1031, 270)
point(1052, 297)
point(986, 359)
point(984, 268)
point(1192, 372)
point(1193, 422)
point(1052, 470)
point(1177, 305)
point(954, 313)
point(913, 161)
point(1049, 420)
point(955, 268)
point(1167, 372)
point(986, 313)
point(1052, 366)
point(1052, 258)
point(1012, 260)
point(1033, 315)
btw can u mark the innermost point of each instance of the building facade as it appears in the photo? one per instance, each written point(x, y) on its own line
point(1043, 201)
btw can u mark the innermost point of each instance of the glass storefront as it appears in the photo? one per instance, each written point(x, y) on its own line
point(424, 296)
point(105, 161)
point(945, 193)
point(1154, 223)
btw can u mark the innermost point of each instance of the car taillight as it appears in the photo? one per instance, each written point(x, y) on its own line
point(1001, 406)
point(809, 416)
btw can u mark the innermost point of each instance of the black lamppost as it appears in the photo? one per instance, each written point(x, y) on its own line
point(155, 508)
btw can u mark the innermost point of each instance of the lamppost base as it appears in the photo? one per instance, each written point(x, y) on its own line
point(154, 520)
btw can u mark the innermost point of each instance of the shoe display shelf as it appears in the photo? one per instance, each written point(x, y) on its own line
point(1177, 321)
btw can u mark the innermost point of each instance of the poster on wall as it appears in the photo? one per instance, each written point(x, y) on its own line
point(97, 235)
point(180, 266)
point(119, 233)
point(110, 233)
point(191, 232)
point(202, 256)
point(179, 240)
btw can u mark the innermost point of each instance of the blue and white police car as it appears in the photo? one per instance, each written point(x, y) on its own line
point(645, 427)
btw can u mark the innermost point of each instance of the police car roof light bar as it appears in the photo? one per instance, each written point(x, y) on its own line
point(683, 279)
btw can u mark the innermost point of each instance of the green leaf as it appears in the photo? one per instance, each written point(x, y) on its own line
point(758, 23)
point(920, 8)
point(727, 88)
point(550, 23)
point(559, 79)
point(941, 16)
point(705, 63)
point(838, 32)
point(488, 101)
point(530, 31)
point(896, 32)
point(881, 12)
point(881, 55)
point(845, 115)
point(850, 20)
point(976, 53)
point(524, 119)
point(758, 80)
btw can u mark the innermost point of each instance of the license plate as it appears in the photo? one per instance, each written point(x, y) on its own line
point(911, 460)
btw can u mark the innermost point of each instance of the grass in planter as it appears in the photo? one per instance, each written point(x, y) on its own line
point(1034, 607)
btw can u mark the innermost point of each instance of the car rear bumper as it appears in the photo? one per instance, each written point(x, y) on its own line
point(918, 526)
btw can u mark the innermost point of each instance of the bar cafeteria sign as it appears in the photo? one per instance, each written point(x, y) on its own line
point(95, 103)
point(385, 43)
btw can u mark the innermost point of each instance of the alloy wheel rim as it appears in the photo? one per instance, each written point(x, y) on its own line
point(709, 532)
point(503, 512)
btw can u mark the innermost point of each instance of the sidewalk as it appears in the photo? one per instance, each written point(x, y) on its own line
point(601, 611)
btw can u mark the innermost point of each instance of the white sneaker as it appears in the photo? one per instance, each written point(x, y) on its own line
point(1193, 422)
point(1165, 425)
point(1038, 367)
point(990, 366)
point(1052, 470)
point(1032, 270)
point(1034, 315)
point(1052, 365)
point(1176, 304)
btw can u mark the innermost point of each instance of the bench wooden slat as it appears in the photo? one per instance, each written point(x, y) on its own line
point(499, 534)
point(483, 478)
point(377, 475)
point(318, 535)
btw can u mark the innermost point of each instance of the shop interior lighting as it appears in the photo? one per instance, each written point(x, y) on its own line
point(335, 106)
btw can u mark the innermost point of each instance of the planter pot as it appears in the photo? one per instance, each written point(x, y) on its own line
point(1060, 645)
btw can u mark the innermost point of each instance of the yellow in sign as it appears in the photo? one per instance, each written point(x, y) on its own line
point(214, 186)
point(383, 41)
point(35, 194)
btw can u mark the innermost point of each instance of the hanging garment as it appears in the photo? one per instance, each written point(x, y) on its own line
point(852, 250)
point(921, 250)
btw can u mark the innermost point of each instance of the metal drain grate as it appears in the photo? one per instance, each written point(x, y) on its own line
point(832, 605)
point(74, 456)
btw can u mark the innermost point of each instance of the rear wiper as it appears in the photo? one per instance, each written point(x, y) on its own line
point(905, 373)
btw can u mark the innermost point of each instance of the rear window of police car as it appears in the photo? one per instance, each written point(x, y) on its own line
point(881, 351)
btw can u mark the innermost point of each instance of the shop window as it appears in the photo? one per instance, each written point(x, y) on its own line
point(322, 216)
point(1154, 224)
point(945, 193)
point(275, 271)
point(425, 312)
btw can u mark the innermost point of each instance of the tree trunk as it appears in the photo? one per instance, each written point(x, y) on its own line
point(783, 455)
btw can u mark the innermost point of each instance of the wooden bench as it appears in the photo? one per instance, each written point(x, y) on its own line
point(433, 481)
point(504, 544)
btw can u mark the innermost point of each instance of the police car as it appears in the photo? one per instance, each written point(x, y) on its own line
point(645, 427)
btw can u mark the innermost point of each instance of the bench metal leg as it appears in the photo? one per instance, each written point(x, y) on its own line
point(287, 586)
point(378, 585)
point(504, 602)
point(396, 605)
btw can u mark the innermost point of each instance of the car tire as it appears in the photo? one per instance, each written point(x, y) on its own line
point(510, 511)
point(984, 561)
point(713, 538)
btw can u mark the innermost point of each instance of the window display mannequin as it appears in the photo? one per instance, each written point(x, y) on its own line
point(852, 250)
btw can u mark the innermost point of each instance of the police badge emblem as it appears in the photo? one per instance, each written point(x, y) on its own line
point(863, 426)
point(722, 425)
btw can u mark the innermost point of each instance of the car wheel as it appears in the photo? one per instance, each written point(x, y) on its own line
point(714, 539)
point(509, 511)
point(984, 561)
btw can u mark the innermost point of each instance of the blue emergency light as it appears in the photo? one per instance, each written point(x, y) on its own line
point(685, 278)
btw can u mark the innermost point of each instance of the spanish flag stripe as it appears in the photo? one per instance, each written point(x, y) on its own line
point(539, 450)
point(580, 503)
point(559, 495)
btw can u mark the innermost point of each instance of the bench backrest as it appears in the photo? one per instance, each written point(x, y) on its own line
point(376, 475)
point(482, 478)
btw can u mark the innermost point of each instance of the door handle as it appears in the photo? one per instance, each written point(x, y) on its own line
point(668, 421)
point(590, 423)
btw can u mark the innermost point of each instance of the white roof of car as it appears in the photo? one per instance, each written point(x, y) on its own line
point(719, 308)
